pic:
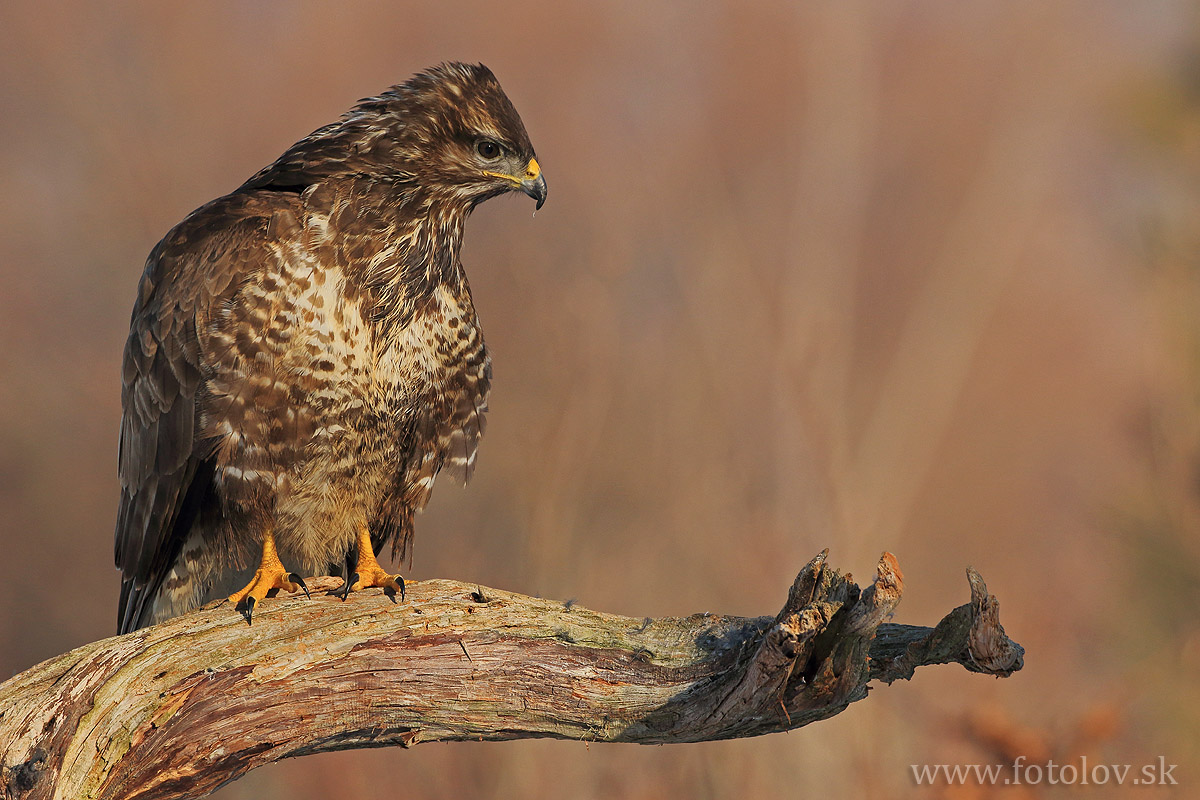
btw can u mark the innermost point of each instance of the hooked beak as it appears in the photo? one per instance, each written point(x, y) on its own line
point(534, 183)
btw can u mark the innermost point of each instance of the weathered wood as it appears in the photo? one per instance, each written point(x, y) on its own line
point(181, 708)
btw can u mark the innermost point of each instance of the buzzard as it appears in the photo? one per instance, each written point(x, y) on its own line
point(304, 356)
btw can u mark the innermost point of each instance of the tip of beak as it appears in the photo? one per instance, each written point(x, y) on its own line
point(536, 188)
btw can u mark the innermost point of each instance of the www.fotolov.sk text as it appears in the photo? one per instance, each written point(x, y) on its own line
point(1023, 773)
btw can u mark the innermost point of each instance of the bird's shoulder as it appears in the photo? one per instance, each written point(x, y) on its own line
point(205, 257)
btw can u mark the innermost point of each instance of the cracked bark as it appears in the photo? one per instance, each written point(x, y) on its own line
point(177, 710)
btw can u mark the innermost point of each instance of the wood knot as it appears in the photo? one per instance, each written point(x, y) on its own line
point(23, 777)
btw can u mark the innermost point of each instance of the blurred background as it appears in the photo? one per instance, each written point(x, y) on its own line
point(913, 276)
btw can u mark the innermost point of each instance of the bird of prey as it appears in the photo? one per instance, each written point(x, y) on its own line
point(304, 356)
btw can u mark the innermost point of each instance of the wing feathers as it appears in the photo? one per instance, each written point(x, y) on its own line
point(194, 269)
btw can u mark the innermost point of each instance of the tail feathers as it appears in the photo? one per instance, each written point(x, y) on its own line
point(129, 610)
point(198, 576)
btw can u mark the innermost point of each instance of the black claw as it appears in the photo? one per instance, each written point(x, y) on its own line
point(350, 581)
point(248, 611)
point(391, 593)
point(294, 578)
point(346, 573)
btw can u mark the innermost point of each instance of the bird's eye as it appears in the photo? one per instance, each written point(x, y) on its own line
point(487, 149)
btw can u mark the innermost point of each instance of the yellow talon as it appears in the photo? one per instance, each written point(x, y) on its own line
point(269, 578)
point(368, 574)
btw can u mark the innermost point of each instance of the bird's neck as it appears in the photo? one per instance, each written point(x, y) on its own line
point(431, 251)
point(411, 246)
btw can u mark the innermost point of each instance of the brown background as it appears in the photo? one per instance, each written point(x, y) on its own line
point(909, 276)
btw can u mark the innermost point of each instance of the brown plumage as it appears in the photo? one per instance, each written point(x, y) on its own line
point(304, 355)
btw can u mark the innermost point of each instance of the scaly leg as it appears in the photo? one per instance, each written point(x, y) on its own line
point(270, 577)
point(368, 573)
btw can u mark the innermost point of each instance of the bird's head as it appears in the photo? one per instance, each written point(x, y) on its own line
point(455, 129)
point(449, 131)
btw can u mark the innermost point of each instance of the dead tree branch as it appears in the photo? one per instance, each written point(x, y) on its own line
point(179, 709)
